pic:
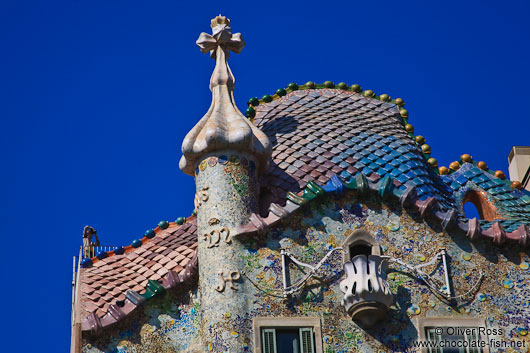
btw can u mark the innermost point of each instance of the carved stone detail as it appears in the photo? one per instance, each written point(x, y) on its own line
point(232, 276)
point(201, 196)
point(367, 295)
point(214, 237)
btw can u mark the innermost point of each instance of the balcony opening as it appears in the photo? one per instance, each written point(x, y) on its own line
point(360, 249)
point(476, 205)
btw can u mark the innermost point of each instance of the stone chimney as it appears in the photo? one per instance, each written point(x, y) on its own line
point(519, 165)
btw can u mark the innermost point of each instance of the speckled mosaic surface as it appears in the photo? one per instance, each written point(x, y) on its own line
point(501, 299)
point(168, 324)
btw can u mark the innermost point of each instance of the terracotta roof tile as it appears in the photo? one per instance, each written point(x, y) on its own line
point(107, 281)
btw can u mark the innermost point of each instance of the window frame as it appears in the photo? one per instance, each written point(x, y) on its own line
point(259, 323)
point(425, 322)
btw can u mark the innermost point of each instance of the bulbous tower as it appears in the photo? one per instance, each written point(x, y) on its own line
point(225, 152)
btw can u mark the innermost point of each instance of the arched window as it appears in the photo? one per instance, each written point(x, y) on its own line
point(482, 206)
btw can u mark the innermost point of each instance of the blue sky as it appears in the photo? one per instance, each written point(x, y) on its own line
point(96, 97)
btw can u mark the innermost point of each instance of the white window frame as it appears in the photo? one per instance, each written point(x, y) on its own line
point(260, 323)
point(425, 322)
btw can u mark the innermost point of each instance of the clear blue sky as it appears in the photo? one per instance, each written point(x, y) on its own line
point(96, 97)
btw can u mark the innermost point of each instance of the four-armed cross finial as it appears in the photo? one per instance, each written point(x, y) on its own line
point(223, 38)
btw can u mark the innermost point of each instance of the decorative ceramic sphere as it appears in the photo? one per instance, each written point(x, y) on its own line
point(292, 86)
point(310, 84)
point(267, 98)
point(454, 166)
point(482, 165)
point(426, 148)
point(163, 224)
point(149, 234)
point(136, 243)
point(385, 97)
point(253, 101)
point(356, 88)
point(404, 113)
point(432, 162)
point(329, 84)
point(443, 170)
point(180, 220)
point(517, 184)
point(466, 158)
point(281, 92)
point(420, 140)
point(368, 93)
point(409, 128)
point(399, 102)
point(500, 174)
point(250, 112)
point(342, 85)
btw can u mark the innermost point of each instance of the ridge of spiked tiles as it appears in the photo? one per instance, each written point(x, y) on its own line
point(149, 234)
point(121, 309)
point(385, 188)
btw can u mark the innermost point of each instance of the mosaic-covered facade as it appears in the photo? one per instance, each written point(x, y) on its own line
point(320, 209)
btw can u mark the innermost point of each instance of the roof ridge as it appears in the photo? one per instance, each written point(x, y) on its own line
point(148, 235)
point(385, 188)
point(466, 158)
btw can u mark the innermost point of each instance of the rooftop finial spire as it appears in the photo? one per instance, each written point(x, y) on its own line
point(223, 127)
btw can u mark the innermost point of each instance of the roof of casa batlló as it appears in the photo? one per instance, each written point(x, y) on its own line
point(325, 139)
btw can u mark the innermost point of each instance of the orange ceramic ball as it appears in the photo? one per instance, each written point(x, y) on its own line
point(500, 174)
point(517, 185)
point(482, 165)
point(443, 170)
point(466, 158)
point(454, 166)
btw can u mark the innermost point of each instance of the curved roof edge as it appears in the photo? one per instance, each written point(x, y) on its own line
point(385, 187)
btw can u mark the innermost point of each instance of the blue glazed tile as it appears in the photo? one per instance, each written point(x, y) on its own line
point(461, 180)
point(381, 172)
point(395, 154)
point(395, 173)
point(336, 159)
point(379, 153)
point(345, 175)
point(366, 161)
point(395, 163)
point(373, 166)
point(455, 186)
point(403, 167)
point(343, 155)
point(388, 168)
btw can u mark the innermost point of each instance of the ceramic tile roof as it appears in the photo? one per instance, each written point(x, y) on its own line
point(513, 205)
point(160, 261)
point(319, 133)
point(329, 140)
